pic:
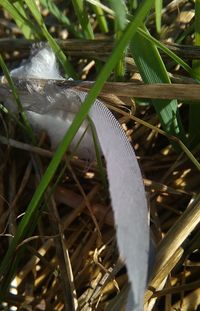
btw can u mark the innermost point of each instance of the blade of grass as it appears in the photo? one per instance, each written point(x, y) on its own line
point(100, 17)
point(102, 6)
point(120, 11)
point(55, 47)
point(194, 114)
point(33, 207)
point(82, 15)
point(152, 70)
point(158, 11)
point(120, 67)
point(80, 9)
point(35, 11)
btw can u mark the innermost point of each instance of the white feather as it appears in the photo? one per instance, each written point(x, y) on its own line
point(42, 65)
point(53, 111)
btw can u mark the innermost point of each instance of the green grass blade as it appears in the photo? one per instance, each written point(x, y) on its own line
point(35, 11)
point(120, 10)
point(152, 70)
point(82, 15)
point(194, 114)
point(120, 67)
point(54, 10)
point(100, 17)
point(34, 204)
point(158, 15)
point(102, 6)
